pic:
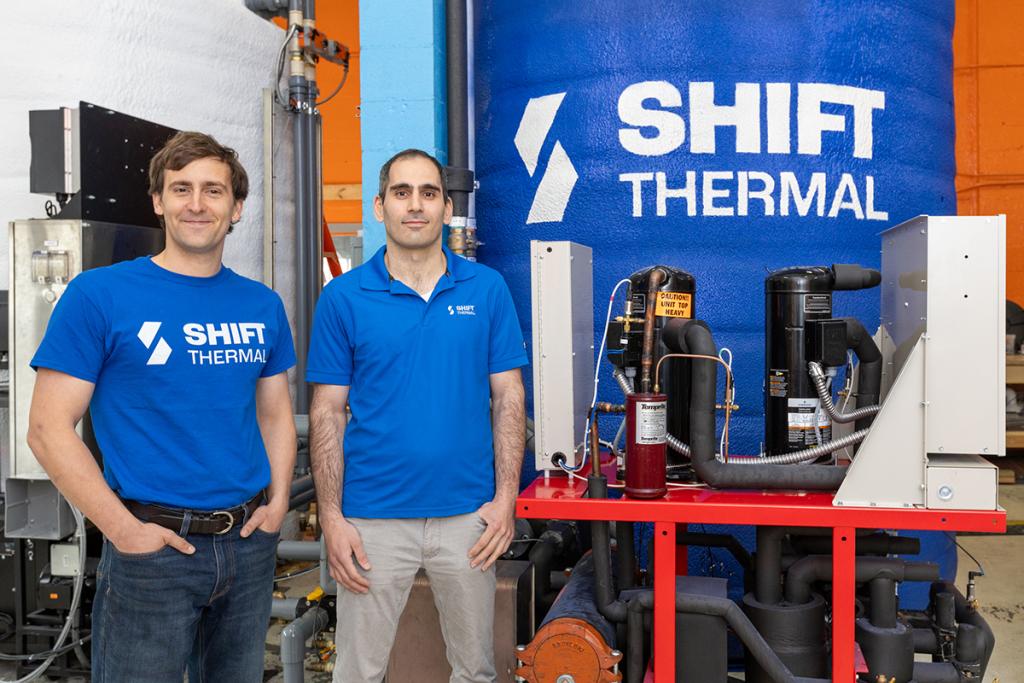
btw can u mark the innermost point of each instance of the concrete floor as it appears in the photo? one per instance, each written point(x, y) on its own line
point(1001, 590)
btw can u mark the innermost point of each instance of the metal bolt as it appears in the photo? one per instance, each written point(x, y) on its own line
point(945, 493)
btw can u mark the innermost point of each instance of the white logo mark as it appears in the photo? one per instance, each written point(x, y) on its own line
point(162, 351)
point(560, 176)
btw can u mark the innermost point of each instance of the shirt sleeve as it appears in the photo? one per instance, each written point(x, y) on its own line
point(507, 349)
point(76, 339)
point(282, 352)
point(330, 348)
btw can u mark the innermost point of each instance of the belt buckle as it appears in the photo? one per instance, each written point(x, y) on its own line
point(230, 518)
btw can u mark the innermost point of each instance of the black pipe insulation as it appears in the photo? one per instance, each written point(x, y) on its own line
point(576, 600)
point(814, 568)
point(625, 555)
point(717, 607)
point(875, 544)
point(936, 672)
point(882, 611)
point(965, 614)
point(706, 540)
point(681, 335)
point(542, 555)
point(460, 178)
point(850, 276)
point(608, 605)
point(768, 577)
point(925, 641)
point(869, 369)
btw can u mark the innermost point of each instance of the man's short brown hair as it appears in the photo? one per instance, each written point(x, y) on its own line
point(187, 146)
point(385, 170)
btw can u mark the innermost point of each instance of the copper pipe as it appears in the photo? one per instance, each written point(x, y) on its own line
point(647, 357)
point(595, 444)
point(610, 407)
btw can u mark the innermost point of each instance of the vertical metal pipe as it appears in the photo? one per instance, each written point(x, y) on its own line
point(458, 123)
point(298, 93)
point(647, 354)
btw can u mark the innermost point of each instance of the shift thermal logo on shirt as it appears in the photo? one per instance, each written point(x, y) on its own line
point(560, 176)
point(462, 310)
point(147, 333)
point(244, 340)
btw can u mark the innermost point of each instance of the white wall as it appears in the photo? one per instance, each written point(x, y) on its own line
point(188, 64)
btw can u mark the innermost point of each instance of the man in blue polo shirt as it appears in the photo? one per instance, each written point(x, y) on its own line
point(424, 347)
point(182, 365)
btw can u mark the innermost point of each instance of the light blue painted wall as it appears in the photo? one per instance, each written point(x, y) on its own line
point(402, 59)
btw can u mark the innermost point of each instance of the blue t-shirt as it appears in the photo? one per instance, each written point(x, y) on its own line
point(419, 441)
point(175, 360)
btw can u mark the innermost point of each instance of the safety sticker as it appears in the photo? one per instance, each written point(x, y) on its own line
point(778, 383)
point(801, 421)
point(674, 304)
point(638, 303)
point(651, 421)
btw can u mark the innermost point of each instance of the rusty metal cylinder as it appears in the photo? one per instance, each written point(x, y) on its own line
point(646, 445)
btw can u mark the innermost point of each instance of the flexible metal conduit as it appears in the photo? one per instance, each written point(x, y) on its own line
point(825, 396)
point(812, 453)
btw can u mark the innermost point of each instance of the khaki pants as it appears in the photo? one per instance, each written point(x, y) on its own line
point(397, 549)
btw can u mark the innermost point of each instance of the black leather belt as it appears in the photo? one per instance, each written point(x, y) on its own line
point(214, 522)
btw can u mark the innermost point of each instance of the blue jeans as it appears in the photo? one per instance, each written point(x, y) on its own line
point(156, 613)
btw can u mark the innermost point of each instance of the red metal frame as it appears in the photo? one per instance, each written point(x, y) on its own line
point(559, 497)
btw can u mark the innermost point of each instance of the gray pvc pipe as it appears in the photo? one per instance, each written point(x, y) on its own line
point(302, 551)
point(293, 643)
point(285, 608)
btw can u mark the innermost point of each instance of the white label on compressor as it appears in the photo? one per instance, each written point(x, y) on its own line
point(651, 422)
point(802, 411)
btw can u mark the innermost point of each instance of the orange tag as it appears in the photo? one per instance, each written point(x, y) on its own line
point(674, 304)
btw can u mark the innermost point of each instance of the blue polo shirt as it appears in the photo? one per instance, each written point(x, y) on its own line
point(419, 440)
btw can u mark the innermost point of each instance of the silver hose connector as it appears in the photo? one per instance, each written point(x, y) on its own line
point(625, 383)
point(821, 386)
point(677, 445)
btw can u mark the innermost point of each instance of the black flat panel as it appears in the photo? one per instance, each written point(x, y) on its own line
point(115, 153)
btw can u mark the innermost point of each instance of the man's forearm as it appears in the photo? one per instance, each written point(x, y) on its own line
point(326, 429)
point(509, 426)
point(279, 439)
point(74, 472)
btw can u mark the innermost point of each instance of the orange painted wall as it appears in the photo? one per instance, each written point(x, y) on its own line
point(342, 151)
point(988, 86)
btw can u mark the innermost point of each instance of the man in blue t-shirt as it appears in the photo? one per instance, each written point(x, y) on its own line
point(425, 349)
point(182, 364)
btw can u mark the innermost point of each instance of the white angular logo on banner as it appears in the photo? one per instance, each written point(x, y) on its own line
point(162, 351)
point(560, 176)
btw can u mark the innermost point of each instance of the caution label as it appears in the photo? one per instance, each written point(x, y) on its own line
point(674, 304)
point(778, 383)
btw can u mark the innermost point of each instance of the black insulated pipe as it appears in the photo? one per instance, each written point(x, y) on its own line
point(768, 577)
point(936, 672)
point(625, 555)
point(717, 607)
point(869, 370)
point(965, 614)
point(612, 609)
point(813, 568)
point(693, 336)
point(460, 178)
point(883, 600)
point(850, 276)
point(875, 544)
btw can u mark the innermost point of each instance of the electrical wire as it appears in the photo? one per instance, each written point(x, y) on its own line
point(724, 439)
point(278, 97)
point(966, 552)
point(344, 77)
point(293, 575)
point(76, 597)
point(597, 380)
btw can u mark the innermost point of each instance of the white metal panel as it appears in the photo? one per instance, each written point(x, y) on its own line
point(889, 468)
point(563, 347)
point(965, 371)
point(962, 482)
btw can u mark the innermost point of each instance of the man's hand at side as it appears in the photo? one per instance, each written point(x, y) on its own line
point(499, 516)
point(343, 544)
point(268, 518)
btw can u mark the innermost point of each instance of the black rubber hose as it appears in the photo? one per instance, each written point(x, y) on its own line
point(692, 336)
point(610, 608)
point(808, 570)
point(936, 672)
point(849, 276)
point(706, 540)
point(716, 607)
point(869, 370)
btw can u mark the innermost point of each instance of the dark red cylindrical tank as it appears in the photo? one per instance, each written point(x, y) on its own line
point(646, 446)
